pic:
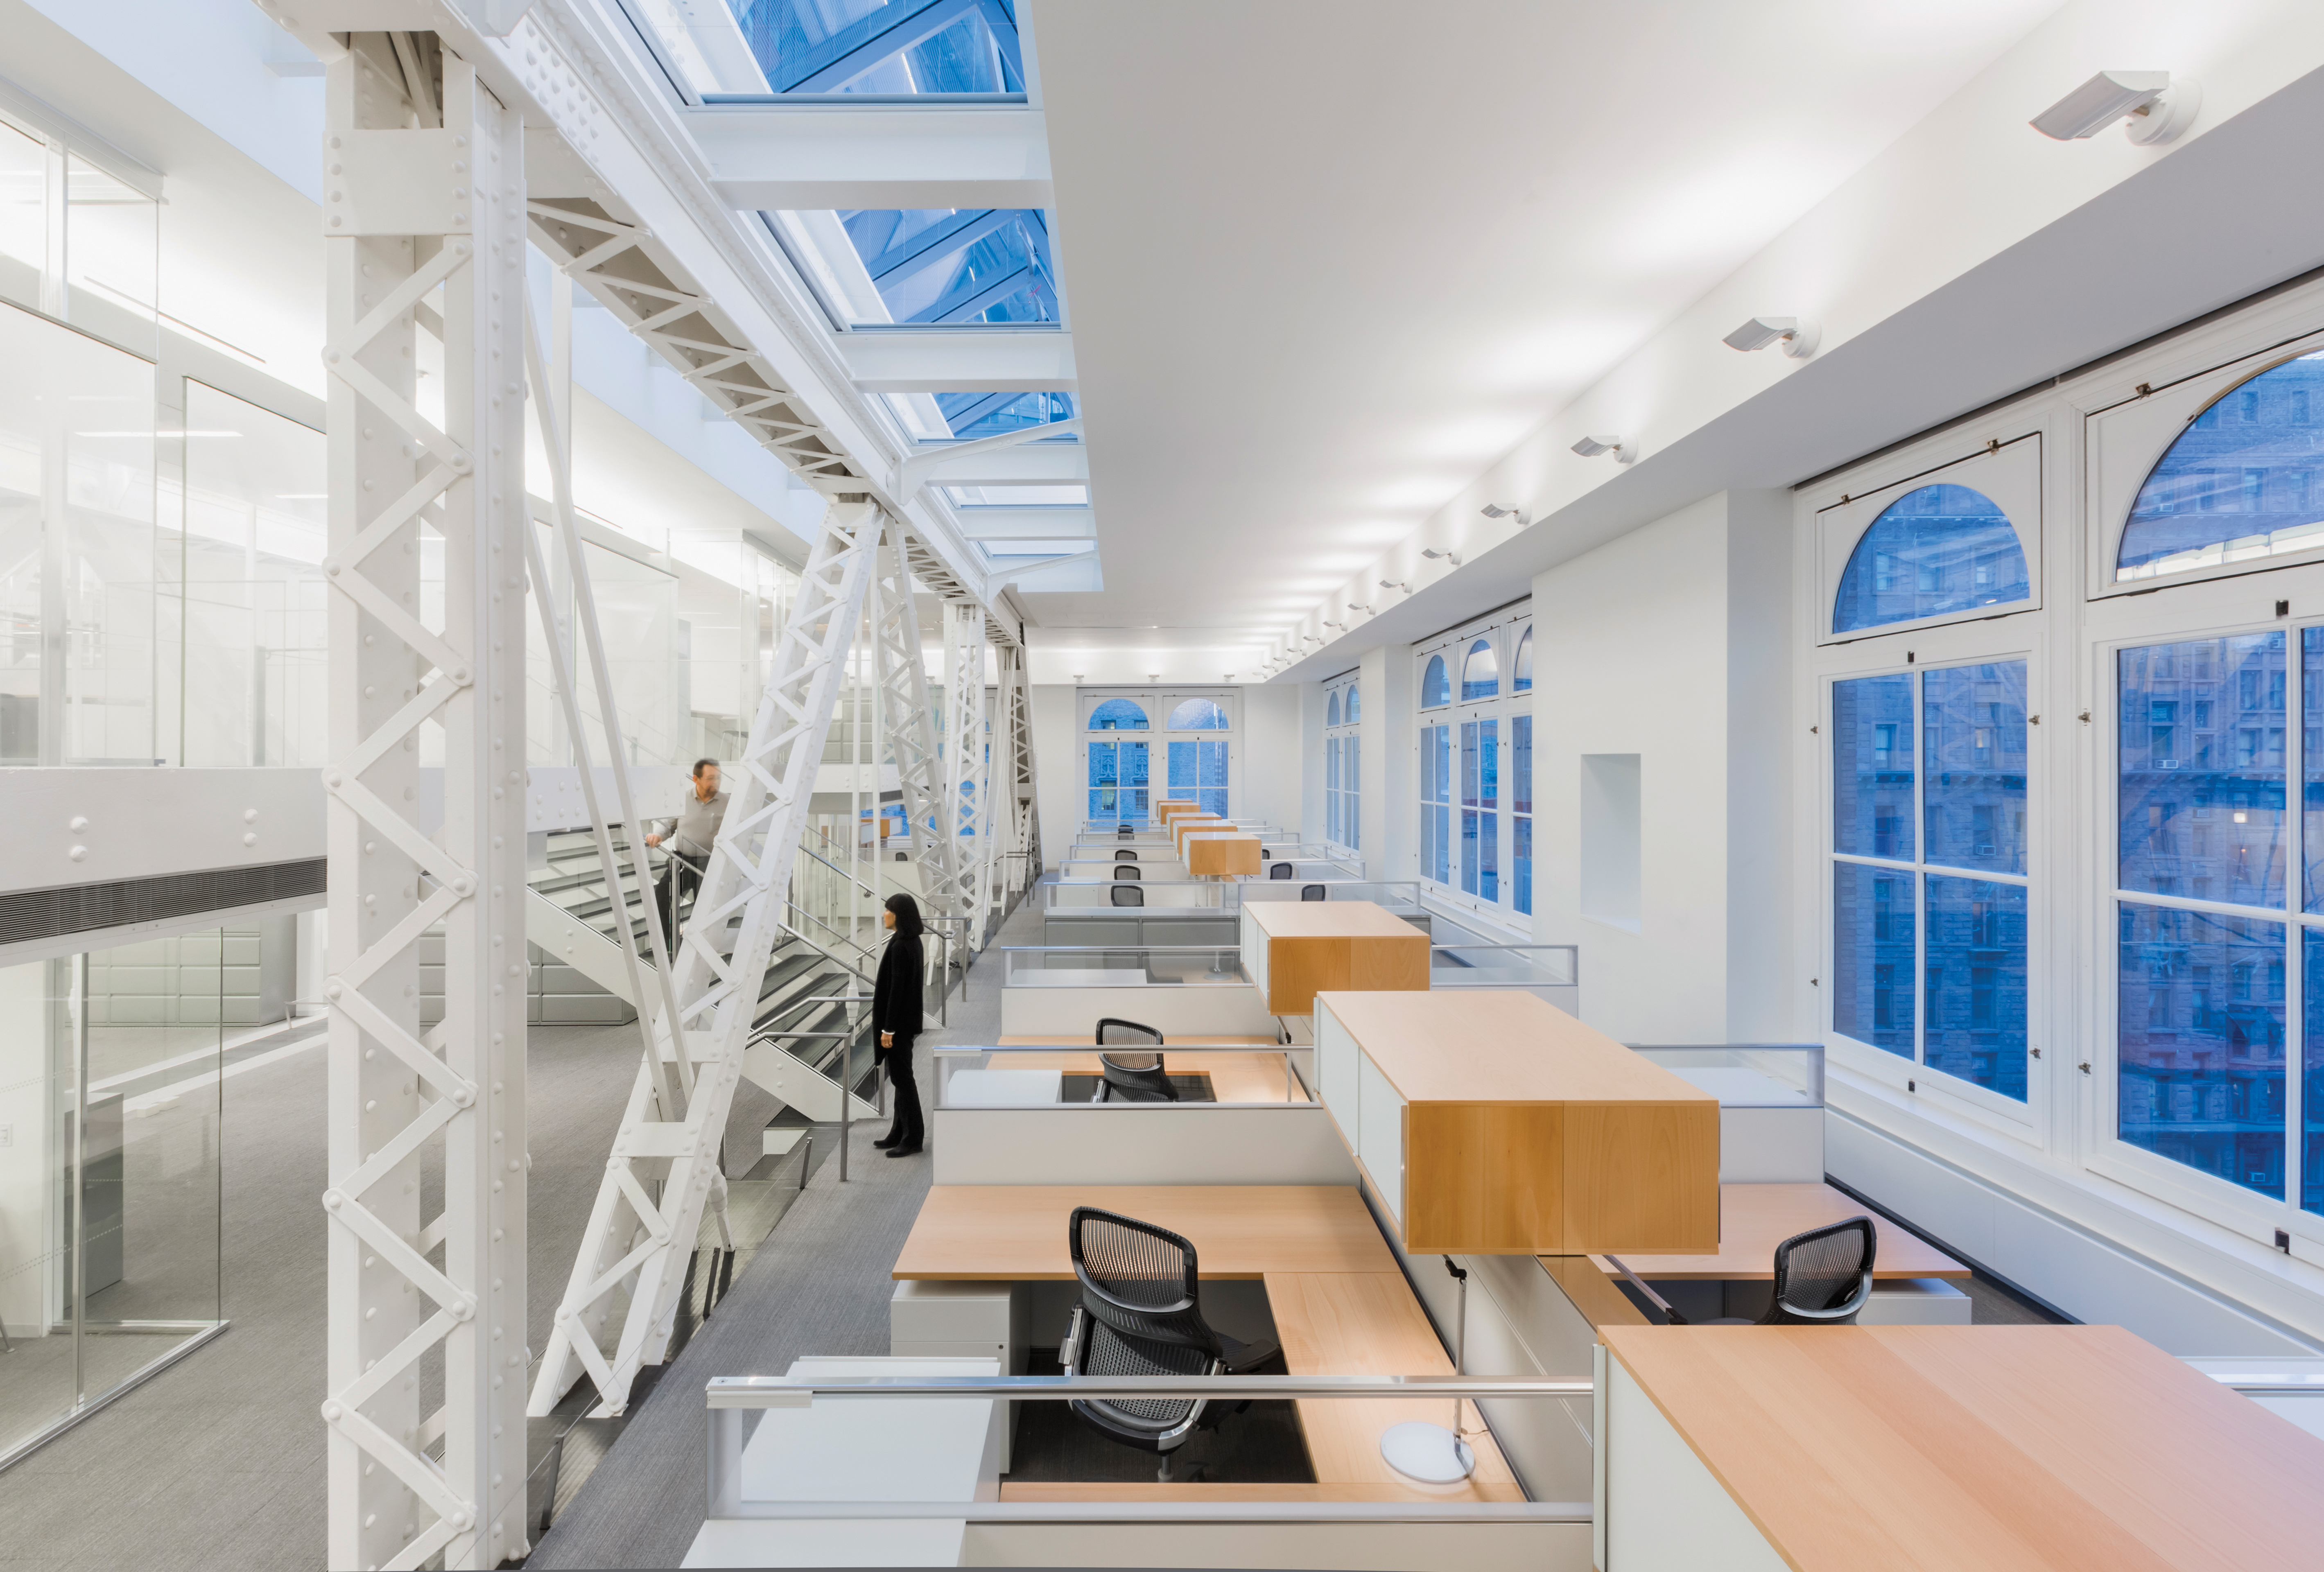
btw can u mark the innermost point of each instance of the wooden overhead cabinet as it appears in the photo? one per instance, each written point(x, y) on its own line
point(1222, 854)
point(1296, 950)
point(1490, 1122)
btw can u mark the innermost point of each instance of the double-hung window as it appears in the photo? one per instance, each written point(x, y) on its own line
point(1929, 868)
point(1476, 767)
point(1343, 766)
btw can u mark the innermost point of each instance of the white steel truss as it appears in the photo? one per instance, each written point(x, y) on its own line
point(903, 676)
point(1020, 842)
point(966, 775)
point(662, 1170)
point(424, 220)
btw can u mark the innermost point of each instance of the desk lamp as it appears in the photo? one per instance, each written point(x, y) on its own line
point(1428, 1453)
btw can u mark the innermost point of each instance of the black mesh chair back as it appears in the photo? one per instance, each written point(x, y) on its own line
point(1280, 870)
point(1311, 891)
point(1124, 854)
point(1823, 1276)
point(1129, 895)
point(1131, 1078)
point(1125, 831)
point(1140, 1314)
point(1127, 871)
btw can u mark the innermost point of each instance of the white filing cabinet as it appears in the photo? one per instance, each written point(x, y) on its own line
point(962, 1320)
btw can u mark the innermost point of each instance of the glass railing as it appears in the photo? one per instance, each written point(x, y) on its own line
point(919, 1461)
point(1080, 897)
point(1747, 1075)
point(1400, 896)
point(1538, 967)
point(1071, 1077)
point(1122, 966)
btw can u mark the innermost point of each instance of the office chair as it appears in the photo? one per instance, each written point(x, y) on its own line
point(1140, 1314)
point(1125, 855)
point(1125, 831)
point(1823, 1278)
point(1311, 891)
point(1279, 870)
point(1127, 871)
point(1129, 895)
point(1131, 1078)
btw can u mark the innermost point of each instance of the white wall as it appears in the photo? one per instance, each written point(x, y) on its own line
point(1057, 767)
point(1271, 747)
point(1668, 643)
point(1390, 753)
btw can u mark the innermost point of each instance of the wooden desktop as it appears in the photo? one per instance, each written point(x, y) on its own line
point(2052, 1448)
point(1221, 855)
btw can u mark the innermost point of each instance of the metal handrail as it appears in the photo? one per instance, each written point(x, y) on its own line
point(843, 873)
point(799, 1392)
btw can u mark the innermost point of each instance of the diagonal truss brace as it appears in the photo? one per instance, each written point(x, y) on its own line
point(903, 678)
point(648, 1207)
point(967, 750)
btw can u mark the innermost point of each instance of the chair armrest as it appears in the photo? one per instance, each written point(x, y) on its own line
point(1070, 1349)
point(1250, 1355)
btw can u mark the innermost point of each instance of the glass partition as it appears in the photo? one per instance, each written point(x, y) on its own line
point(110, 1078)
point(1307, 1454)
point(1073, 1078)
point(1749, 1075)
point(1122, 966)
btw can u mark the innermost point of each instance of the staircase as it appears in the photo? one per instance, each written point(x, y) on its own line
point(804, 1039)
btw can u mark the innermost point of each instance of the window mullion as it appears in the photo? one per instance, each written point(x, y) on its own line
point(1921, 870)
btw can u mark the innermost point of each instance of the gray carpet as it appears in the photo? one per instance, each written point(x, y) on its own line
point(219, 1461)
point(818, 1285)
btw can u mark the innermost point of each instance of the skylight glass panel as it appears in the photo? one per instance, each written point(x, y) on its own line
point(1018, 496)
point(937, 417)
point(898, 48)
point(956, 264)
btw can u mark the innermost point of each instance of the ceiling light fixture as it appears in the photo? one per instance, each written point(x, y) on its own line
point(1797, 334)
point(1451, 556)
point(1366, 610)
point(1504, 510)
point(1343, 625)
point(2157, 107)
point(1592, 447)
point(1311, 638)
point(1395, 585)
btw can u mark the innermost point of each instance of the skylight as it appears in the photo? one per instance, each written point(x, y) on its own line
point(747, 49)
point(934, 417)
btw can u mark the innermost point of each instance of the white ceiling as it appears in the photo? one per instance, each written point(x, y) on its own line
point(1327, 260)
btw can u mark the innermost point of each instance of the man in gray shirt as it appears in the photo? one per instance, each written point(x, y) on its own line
point(689, 837)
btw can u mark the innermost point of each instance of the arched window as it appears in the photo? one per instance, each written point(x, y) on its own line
point(1521, 675)
point(1117, 715)
point(1198, 715)
point(1355, 703)
point(1435, 685)
point(1332, 715)
point(1481, 674)
point(1934, 552)
point(2245, 480)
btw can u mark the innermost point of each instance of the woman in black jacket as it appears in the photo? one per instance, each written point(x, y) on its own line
point(896, 1015)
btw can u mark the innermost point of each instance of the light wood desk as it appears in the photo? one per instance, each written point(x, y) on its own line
point(1222, 854)
point(1295, 949)
point(1754, 1218)
point(1493, 1123)
point(1016, 1233)
point(2002, 1448)
point(1341, 1308)
point(1164, 812)
point(1235, 1077)
point(1185, 824)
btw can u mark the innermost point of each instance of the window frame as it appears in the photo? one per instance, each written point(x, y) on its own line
point(2125, 438)
point(1159, 702)
point(1948, 649)
point(2009, 472)
point(1348, 795)
point(1505, 630)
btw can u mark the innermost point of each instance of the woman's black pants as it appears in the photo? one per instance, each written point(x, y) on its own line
point(907, 1121)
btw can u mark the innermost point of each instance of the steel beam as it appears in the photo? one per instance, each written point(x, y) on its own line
point(1037, 523)
point(961, 360)
point(967, 750)
point(425, 201)
point(910, 723)
point(835, 155)
point(1025, 463)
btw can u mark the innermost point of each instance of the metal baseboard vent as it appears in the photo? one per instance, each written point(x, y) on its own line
point(51, 913)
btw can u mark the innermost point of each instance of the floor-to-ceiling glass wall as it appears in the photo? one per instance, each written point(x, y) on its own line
point(110, 1067)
